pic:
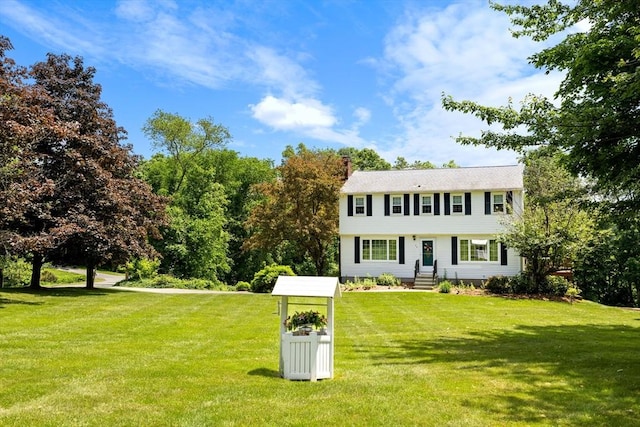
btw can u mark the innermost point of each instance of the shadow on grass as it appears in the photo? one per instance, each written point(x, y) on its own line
point(585, 375)
point(56, 292)
point(265, 372)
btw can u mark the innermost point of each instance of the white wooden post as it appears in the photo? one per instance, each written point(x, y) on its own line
point(330, 328)
point(284, 309)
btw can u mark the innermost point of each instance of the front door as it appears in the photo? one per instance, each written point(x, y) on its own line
point(427, 253)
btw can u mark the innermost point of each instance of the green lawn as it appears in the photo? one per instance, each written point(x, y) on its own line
point(107, 357)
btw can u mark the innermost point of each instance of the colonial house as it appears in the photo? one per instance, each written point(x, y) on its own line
point(419, 223)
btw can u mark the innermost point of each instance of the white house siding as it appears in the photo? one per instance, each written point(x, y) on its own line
point(440, 228)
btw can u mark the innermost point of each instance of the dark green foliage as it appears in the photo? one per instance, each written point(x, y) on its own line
point(168, 281)
point(265, 279)
point(498, 285)
point(243, 286)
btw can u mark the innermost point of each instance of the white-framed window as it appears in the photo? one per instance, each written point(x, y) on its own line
point(396, 205)
point(427, 205)
point(379, 250)
point(359, 202)
point(498, 203)
point(457, 203)
point(478, 250)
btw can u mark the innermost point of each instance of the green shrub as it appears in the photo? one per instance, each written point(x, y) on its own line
point(556, 285)
point(445, 287)
point(48, 276)
point(243, 286)
point(521, 284)
point(265, 279)
point(498, 285)
point(387, 279)
point(16, 272)
point(141, 268)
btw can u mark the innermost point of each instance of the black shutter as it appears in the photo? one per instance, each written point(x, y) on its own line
point(349, 205)
point(509, 201)
point(387, 205)
point(416, 204)
point(487, 203)
point(356, 251)
point(503, 254)
point(407, 201)
point(447, 203)
point(369, 205)
point(454, 250)
point(401, 250)
point(467, 203)
point(436, 203)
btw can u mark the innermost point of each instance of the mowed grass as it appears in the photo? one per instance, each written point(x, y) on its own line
point(106, 357)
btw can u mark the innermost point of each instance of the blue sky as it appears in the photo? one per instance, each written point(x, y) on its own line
point(277, 73)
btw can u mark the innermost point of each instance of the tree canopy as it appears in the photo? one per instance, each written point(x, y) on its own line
point(72, 188)
point(596, 120)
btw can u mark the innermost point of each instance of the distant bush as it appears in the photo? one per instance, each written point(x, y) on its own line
point(166, 281)
point(16, 272)
point(498, 285)
point(243, 286)
point(387, 279)
point(265, 279)
point(556, 285)
point(48, 276)
point(141, 268)
point(445, 287)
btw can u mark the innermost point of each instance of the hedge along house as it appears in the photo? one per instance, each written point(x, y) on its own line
point(420, 225)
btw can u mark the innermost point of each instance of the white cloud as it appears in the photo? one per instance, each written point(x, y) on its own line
point(466, 51)
point(281, 114)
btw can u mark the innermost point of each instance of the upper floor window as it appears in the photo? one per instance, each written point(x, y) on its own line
point(396, 204)
point(359, 202)
point(498, 203)
point(427, 206)
point(457, 203)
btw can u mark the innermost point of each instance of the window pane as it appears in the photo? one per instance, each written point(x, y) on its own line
point(397, 205)
point(464, 250)
point(493, 250)
point(457, 204)
point(479, 252)
point(426, 204)
point(457, 200)
point(392, 250)
point(498, 203)
point(379, 250)
point(366, 249)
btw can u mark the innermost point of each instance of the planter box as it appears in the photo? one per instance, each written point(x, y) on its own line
point(307, 357)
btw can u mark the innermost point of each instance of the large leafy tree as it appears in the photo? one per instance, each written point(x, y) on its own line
point(596, 119)
point(300, 208)
point(553, 227)
point(80, 199)
point(365, 159)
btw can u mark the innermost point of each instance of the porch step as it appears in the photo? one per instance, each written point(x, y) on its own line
point(424, 281)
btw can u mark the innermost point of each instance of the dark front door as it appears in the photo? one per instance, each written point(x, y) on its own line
point(427, 253)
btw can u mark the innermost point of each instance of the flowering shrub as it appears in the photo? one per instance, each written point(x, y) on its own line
point(313, 318)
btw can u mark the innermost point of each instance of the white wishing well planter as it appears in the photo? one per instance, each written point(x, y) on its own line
point(306, 352)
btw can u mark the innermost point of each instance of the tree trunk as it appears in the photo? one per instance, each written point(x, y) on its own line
point(1, 278)
point(36, 268)
point(91, 274)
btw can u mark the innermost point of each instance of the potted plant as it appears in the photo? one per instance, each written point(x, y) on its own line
point(303, 322)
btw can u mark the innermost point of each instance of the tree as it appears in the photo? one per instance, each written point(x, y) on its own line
point(552, 228)
point(597, 120)
point(78, 196)
point(365, 159)
point(301, 207)
point(183, 140)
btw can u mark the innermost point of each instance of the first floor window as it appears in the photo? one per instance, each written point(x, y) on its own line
point(379, 250)
point(426, 204)
point(478, 250)
point(359, 205)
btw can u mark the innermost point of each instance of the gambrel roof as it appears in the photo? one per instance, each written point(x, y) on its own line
point(432, 180)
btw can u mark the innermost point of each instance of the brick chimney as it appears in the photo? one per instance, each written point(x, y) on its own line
point(346, 161)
